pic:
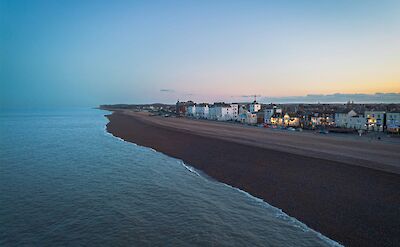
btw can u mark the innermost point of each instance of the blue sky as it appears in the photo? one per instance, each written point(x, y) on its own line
point(85, 53)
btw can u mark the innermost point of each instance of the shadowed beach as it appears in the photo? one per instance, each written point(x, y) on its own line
point(352, 197)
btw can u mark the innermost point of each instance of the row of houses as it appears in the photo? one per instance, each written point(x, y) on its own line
point(309, 120)
point(378, 121)
point(220, 111)
point(256, 113)
point(369, 120)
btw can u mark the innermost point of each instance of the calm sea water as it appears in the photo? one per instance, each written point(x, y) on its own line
point(65, 181)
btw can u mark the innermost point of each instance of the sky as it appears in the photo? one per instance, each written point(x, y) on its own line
point(86, 53)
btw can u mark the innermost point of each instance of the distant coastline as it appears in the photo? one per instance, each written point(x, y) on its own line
point(332, 197)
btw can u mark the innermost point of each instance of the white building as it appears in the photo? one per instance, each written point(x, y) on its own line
point(191, 110)
point(202, 110)
point(235, 111)
point(212, 113)
point(255, 106)
point(350, 120)
point(375, 120)
point(342, 118)
point(220, 111)
point(357, 122)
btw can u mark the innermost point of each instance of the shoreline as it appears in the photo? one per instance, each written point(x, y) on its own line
point(349, 204)
point(281, 213)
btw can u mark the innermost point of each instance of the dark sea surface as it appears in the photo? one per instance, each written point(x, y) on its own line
point(65, 181)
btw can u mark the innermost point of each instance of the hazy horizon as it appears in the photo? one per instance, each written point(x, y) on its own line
point(90, 53)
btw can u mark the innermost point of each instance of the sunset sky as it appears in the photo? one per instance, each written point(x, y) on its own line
point(81, 53)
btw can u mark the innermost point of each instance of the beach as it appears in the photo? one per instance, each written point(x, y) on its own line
point(345, 188)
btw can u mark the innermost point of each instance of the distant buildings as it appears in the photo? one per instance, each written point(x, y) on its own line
point(350, 120)
point(221, 111)
point(181, 107)
point(349, 117)
point(342, 117)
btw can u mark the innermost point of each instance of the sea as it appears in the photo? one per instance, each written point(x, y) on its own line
point(65, 181)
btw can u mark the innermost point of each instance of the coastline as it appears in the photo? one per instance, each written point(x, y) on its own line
point(348, 203)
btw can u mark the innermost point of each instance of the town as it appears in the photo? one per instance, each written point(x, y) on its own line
point(339, 118)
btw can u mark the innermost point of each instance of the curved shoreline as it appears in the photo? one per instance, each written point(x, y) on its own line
point(338, 200)
point(199, 173)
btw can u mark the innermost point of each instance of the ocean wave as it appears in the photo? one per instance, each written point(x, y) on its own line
point(282, 215)
point(118, 138)
point(279, 212)
point(189, 168)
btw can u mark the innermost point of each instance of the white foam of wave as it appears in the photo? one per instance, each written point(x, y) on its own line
point(118, 138)
point(189, 168)
point(279, 213)
point(282, 215)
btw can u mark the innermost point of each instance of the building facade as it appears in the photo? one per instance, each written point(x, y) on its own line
point(393, 122)
point(251, 118)
point(357, 122)
point(202, 110)
point(342, 118)
point(375, 120)
point(255, 106)
point(291, 120)
point(191, 110)
point(235, 111)
point(269, 112)
point(221, 111)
